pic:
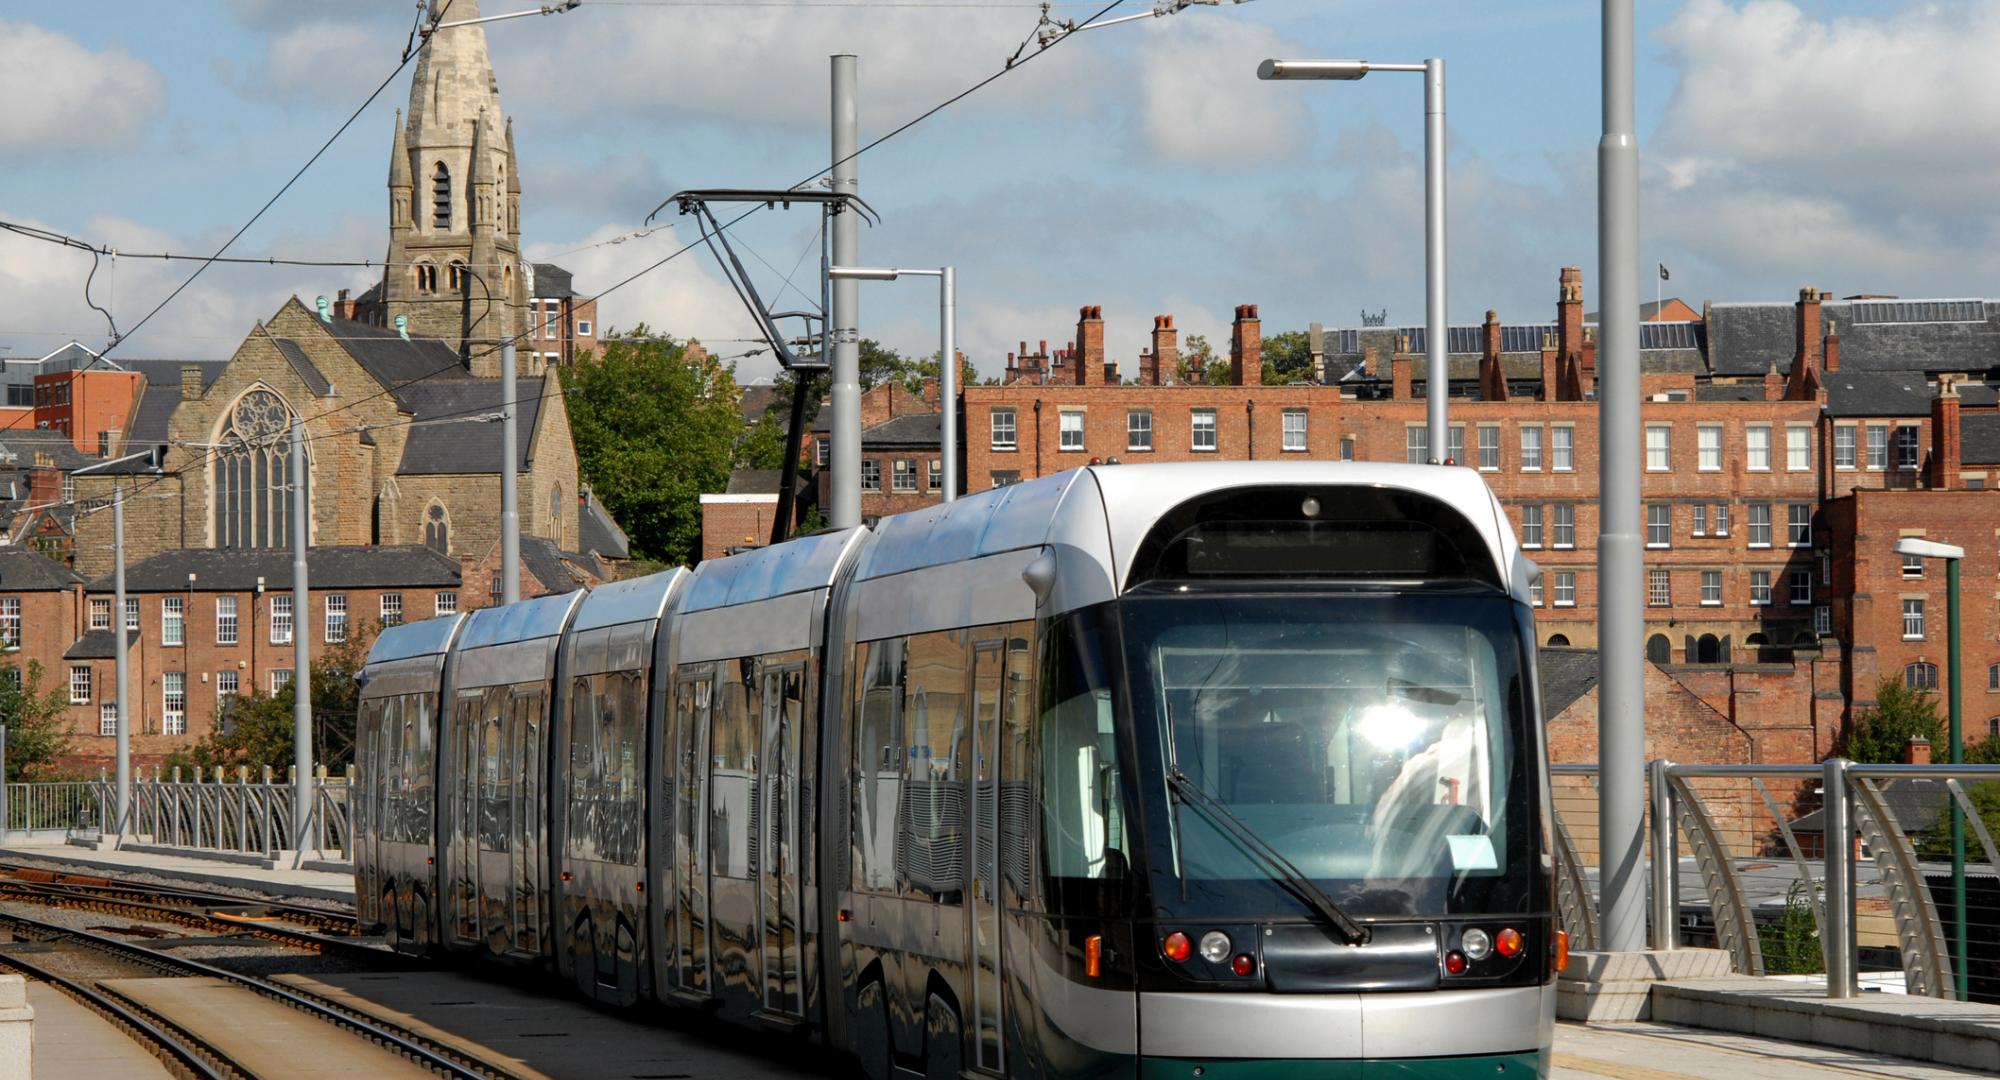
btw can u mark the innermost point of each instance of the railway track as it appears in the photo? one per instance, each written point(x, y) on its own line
point(94, 969)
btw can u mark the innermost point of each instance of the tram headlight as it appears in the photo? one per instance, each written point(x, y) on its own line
point(1477, 943)
point(1215, 946)
point(1310, 507)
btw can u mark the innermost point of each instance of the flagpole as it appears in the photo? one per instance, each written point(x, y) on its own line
point(1659, 289)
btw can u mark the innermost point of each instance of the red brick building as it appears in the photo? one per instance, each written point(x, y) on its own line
point(902, 467)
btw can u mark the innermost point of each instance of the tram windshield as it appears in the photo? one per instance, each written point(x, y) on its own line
point(1374, 740)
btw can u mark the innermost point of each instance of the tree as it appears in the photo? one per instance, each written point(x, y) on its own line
point(1880, 735)
point(258, 729)
point(763, 443)
point(654, 428)
point(1197, 348)
point(37, 732)
point(880, 364)
point(1287, 358)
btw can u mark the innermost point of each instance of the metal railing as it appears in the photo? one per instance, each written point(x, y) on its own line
point(1755, 835)
point(211, 812)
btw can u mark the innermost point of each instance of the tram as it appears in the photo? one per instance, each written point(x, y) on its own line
point(1173, 770)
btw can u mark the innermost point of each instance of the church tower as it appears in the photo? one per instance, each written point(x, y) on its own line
point(454, 267)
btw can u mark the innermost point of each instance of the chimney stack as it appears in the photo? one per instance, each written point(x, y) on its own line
point(1090, 343)
point(1917, 752)
point(1316, 342)
point(1809, 332)
point(1831, 357)
point(1246, 347)
point(1944, 435)
point(1166, 356)
point(190, 382)
point(1399, 374)
point(1569, 316)
point(1492, 379)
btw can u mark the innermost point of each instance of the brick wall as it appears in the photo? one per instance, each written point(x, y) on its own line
point(729, 521)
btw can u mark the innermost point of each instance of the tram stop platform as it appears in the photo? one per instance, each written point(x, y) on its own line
point(321, 882)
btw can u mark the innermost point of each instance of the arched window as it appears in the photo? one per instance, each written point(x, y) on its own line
point(437, 529)
point(441, 198)
point(459, 278)
point(1920, 676)
point(250, 479)
point(556, 514)
point(1806, 638)
point(427, 278)
point(1659, 650)
point(1708, 649)
point(1756, 639)
point(1558, 641)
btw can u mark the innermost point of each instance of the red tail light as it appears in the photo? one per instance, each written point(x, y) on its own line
point(1508, 942)
point(1243, 965)
point(1454, 962)
point(1176, 947)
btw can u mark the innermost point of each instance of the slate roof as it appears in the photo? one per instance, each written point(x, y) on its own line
point(918, 430)
point(302, 365)
point(237, 570)
point(168, 372)
point(1751, 391)
point(757, 399)
point(1855, 393)
point(552, 281)
point(1917, 805)
point(599, 535)
point(1979, 438)
point(392, 361)
point(1747, 338)
point(25, 443)
point(467, 446)
point(27, 570)
point(558, 570)
point(1977, 395)
point(755, 482)
point(1567, 674)
point(99, 645)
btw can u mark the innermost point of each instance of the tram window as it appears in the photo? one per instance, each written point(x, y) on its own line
point(733, 777)
point(417, 767)
point(585, 782)
point(1082, 808)
point(931, 841)
point(496, 771)
point(1017, 806)
point(625, 702)
point(878, 757)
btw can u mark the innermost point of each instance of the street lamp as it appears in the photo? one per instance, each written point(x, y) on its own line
point(120, 662)
point(1437, 375)
point(947, 351)
point(1952, 556)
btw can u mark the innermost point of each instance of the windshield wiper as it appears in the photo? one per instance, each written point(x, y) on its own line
point(1294, 882)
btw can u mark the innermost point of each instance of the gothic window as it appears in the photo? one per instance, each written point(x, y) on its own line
point(459, 278)
point(251, 474)
point(427, 278)
point(437, 529)
point(441, 198)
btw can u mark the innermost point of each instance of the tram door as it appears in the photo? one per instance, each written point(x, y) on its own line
point(988, 671)
point(693, 702)
point(524, 710)
point(778, 788)
point(467, 816)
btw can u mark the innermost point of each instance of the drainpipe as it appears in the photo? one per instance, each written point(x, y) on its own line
point(1038, 437)
point(1250, 421)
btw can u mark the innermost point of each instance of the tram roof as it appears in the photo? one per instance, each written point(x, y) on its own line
point(635, 600)
point(794, 566)
point(426, 637)
point(527, 620)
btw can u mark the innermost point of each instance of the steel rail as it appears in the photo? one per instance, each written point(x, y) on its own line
point(429, 1053)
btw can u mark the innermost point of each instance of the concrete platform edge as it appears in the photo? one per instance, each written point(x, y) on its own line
point(204, 877)
point(1951, 1033)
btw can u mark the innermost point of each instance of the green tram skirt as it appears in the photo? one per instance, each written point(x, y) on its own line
point(1491, 1066)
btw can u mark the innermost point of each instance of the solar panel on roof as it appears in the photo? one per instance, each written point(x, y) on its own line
point(1918, 311)
point(1526, 338)
point(1668, 335)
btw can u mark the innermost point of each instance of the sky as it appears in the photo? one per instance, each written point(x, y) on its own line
point(1850, 146)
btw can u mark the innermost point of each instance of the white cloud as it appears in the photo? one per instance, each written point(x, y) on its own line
point(684, 297)
point(329, 61)
point(1201, 102)
point(59, 95)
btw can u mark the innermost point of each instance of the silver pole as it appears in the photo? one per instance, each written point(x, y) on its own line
point(510, 509)
point(301, 652)
point(118, 633)
point(1621, 710)
point(1438, 372)
point(1838, 945)
point(948, 378)
point(1666, 860)
point(846, 363)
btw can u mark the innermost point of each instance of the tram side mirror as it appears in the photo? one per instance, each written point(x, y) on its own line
point(1040, 576)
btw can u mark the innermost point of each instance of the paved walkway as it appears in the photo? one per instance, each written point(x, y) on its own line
point(73, 1043)
point(1665, 1052)
point(198, 871)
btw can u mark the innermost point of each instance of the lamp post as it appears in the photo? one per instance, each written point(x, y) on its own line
point(947, 352)
point(1952, 556)
point(1437, 374)
point(123, 752)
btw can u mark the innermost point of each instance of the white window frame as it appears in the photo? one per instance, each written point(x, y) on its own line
point(1562, 447)
point(1565, 586)
point(1909, 438)
point(280, 678)
point(391, 609)
point(1069, 431)
point(1660, 524)
point(1878, 447)
point(100, 613)
point(79, 684)
point(1823, 620)
point(444, 603)
point(1846, 439)
point(1708, 447)
point(1201, 422)
point(1531, 526)
point(1489, 448)
point(1760, 588)
point(226, 632)
point(173, 620)
point(1531, 448)
point(1659, 447)
point(107, 718)
point(1294, 421)
point(1416, 444)
point(1798, 448)
point(903, 476)
point(1765, 525)
point(334, 610)
point(583, 328)
point(281, 619)
point(1794, 537)
point(1535, 593)
point(10, 623)
point(1913, 618)
point(1711, 588)
point(1757, 447)
point(1139, 430)
point(1720, 526)
point(227, 683)
point(173, 703)
point(1913, 567)
point(1454, 443)
point(1564, 522)
point(1802, 588)
point(1700, 520)
point(1659, 587)
point(131, 613)
point(1004, 427)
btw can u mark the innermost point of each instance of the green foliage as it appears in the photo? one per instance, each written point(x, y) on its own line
point(654, 429)
point(928, 368)
point(880, 364)
point(1288, 358)
point(1881, 734)
point(1197, 347)
point(763, 443)
point(256, 730)
point(813, 522)
point(1791, 945)
point(1935, 843)
point(37, 733)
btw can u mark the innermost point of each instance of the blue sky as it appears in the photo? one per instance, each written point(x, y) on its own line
point(1850, 146)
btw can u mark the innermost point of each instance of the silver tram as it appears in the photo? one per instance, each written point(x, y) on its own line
point(1169, 770)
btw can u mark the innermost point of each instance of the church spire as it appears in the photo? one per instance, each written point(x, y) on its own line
point(399, 158)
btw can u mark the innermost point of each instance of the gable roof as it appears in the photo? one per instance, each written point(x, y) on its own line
point(1861, 393)
point(597, 534)
point(1566, 674)
point(24, 569)
point(1979, 438)
point(552, 281)
point(302, 365)
point(458, 443)
point(237, 570)
point(393, 361)
point(1875, 336)
point(26, 445)
point(99, 645)
point(919, 430)
point(558, 571)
